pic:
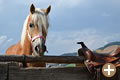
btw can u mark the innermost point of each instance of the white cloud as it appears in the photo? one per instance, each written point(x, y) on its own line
point(9, 40)
point(65, 42)
point(2, 39)
point(4, 43)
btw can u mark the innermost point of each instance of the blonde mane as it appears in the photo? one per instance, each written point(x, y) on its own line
point(38, 16)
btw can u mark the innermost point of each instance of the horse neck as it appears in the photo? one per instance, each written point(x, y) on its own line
point(27, 47)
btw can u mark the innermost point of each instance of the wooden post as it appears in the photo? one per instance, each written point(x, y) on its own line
point(99, 73)
point(3, 71)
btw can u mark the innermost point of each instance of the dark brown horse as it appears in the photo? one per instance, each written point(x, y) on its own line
point(33, 36)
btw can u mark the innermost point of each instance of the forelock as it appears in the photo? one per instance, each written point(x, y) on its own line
point(40, 18)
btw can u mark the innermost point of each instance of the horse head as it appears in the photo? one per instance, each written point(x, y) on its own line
point(36, 29)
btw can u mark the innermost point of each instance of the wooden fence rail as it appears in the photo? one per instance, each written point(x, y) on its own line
point(11, 71)
point(47, 59)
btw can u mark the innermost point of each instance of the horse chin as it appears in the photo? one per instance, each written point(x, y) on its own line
point(41, 54)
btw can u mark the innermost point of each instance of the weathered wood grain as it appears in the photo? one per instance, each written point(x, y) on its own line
point(70, 73)
point(3, 71)
point(46, 59)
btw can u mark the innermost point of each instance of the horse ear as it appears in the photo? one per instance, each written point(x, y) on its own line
point(32, 8)
point(47, 10)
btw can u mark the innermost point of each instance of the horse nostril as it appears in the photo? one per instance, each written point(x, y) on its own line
point(37, 48)
point(44, 48)
point(41, 49)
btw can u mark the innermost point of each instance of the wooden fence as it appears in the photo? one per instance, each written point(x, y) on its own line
point(9, 69)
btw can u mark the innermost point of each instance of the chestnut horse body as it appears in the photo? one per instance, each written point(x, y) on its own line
point(33, 36)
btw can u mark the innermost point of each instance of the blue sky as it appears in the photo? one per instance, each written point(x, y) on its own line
point(96, 22)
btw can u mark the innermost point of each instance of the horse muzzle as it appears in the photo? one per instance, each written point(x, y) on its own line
point(40, 50)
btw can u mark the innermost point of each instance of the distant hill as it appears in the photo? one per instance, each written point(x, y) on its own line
point(110, 45)
point(70, 54)
point(99, 50)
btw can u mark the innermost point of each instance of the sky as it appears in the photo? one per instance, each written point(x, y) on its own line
point(95, 22)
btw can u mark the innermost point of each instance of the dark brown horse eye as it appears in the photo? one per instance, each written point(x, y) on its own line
point(31, 25)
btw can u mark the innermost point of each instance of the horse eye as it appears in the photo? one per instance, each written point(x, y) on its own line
point(31, 25)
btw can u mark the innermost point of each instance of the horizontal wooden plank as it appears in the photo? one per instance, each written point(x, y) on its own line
point(70, 73)
point(46, 59)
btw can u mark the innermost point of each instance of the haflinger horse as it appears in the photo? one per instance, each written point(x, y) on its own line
point(33, 36)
